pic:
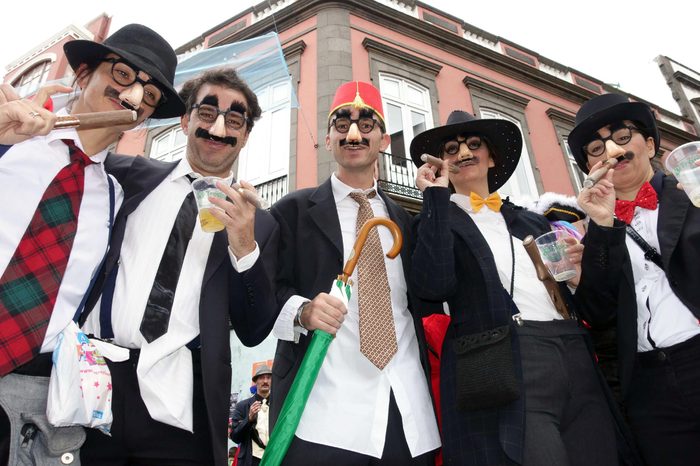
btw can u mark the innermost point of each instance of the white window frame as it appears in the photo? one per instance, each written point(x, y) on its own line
point(398, 170)
point(173, 151)
point(33, 78)
point(263, 134)
point(571, 160)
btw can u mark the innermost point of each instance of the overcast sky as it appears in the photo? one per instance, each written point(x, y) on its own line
point(611, 40)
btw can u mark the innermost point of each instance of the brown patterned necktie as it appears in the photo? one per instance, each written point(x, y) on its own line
point(377, 332)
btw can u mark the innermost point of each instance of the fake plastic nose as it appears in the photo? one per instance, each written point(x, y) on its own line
point(133, 95)
point(219, 127)
point(464, 152)
point(354, 133)
point(612, 150)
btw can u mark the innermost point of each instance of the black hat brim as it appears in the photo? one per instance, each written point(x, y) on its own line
point(503, 136)
point(85, 51)
point(586, 130)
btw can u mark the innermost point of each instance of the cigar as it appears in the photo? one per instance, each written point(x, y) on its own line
point(436, 162)
point(96, 119)
point(597, 175)
point(252, 197)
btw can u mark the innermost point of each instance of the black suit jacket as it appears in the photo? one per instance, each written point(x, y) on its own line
point(243, 430)
point(244, 300)
point(607, 283)
point(453, 262)
point(310, 257)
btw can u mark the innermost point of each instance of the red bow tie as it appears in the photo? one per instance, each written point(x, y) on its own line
point(646, 199)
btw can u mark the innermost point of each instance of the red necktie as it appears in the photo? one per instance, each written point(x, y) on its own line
point(29, 285)
point(646, 198)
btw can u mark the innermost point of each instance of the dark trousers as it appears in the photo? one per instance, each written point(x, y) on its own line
point(567, 417)
point(663, 404)
point(396, 452)
point(139, 440)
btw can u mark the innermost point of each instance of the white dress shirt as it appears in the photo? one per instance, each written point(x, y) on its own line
point(165, 365)
point(26, 170)
point(348, 407)
point(661, 316)
point(529, 293)
point(262, 425)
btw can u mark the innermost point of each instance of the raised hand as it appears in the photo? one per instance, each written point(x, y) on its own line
point(599, 201)
point(427, 176)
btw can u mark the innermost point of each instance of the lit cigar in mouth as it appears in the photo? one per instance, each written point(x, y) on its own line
point(436, 162)
point(597, 175)
point(96, 119)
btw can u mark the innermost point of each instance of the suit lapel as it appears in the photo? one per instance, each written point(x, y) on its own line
point(673, 208)
point(142, 178)
point(138, 176)
point(323, 213)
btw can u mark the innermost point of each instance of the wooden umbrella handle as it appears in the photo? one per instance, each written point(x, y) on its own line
point(362, 238)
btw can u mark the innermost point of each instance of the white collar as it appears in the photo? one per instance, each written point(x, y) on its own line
point(342, 190)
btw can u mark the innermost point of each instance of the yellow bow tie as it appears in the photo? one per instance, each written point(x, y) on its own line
point(493, 202)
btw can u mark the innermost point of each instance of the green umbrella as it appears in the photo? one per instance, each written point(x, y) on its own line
point(294, 404)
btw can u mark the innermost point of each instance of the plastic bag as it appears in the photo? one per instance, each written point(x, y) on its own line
point(80, 388)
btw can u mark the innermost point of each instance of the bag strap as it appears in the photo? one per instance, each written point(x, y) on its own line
point(650, 253)
point(112, 202)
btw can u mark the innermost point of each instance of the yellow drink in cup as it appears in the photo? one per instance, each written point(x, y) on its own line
point(204, 188)
point(209, 223)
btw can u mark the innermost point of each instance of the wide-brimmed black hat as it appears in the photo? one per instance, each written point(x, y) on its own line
point(144, 49)
point(604, 110)
point(503, 136)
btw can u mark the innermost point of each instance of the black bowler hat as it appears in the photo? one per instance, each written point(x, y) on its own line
point(144, 49)
point(503, 136)
point(604, 110)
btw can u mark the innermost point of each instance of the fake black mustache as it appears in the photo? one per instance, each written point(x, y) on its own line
point(363, 141)
point(629, 155)
point(114, 94)
point(204, 134)
point(471, 159)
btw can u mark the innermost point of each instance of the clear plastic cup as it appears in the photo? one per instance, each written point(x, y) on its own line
point(681, 163)
point(552, 247)
point(204, 188)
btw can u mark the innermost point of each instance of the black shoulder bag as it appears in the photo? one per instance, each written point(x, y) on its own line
point(485, 371)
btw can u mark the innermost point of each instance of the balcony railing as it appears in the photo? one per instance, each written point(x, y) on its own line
point(273, 190)
point(397, 175)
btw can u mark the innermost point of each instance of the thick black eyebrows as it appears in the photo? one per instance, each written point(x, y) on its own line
point(210, 100)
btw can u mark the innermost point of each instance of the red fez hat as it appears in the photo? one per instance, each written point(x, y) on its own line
point(359, 95)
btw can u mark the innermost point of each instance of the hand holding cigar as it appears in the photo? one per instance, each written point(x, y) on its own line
point(598, 175)
point(436, 162)
point(251, 196)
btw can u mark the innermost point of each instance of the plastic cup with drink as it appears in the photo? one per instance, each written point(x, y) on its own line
point(681, 162)
point(552, 247)
point(204, 188)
